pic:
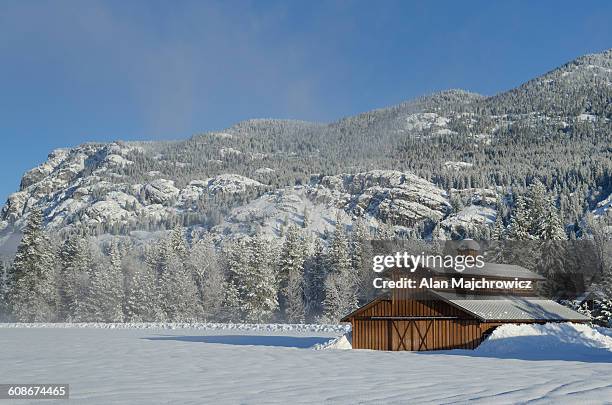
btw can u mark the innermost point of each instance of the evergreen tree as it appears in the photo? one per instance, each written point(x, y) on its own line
point(361, 259)
point(306, 218)
point(67, 283)
point(604, 312)
point(76, 266)
point(341, 281)
point(314, 281)
point(538, 205)
point(32, 278)
point(291, 276)
point(177, 288)
point(179, 295)
point(141, 300)
point(176, 243)
point(204, 264)
point(549, 225)
point(551, 264)
point(555, 262)
point(499, 229)
point(553, 255)
point(115, 294)
point(519, 221)
point(260, 298)
point(252, 286)
point(231, 308)
point(104, 298)
point(498, 236)
point(580, 308)
point(456, 202)
point(234, 260)
point(600, 239)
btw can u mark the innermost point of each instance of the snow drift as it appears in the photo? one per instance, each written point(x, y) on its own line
point(563, 341)
point(342, 342)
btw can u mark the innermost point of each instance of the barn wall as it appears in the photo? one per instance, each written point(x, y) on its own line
point(464, 332)
point(425, 307)
point(418, 335)
point(370, 334)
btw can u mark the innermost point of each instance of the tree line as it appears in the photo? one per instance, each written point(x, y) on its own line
point(183, 278)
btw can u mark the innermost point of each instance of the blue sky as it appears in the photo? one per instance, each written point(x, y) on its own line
point(77, 71)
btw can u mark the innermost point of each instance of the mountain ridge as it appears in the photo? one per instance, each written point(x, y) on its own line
point(453, 140)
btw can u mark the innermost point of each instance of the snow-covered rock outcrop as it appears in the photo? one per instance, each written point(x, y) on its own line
point(603, 206)
point(469, 219)
point(401, 198)
point(85, 185)
point(376, 197)
point(231, 183)
point(67, 181)
point(161, 191)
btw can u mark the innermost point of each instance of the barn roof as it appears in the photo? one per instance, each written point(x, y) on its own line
point(493, 270)
point(511, 308)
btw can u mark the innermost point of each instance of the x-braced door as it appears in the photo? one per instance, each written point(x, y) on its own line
point(409, 334)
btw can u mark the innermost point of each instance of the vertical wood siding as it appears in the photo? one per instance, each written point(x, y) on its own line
point(417, 334)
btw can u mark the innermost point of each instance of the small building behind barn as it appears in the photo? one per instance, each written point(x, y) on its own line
point(419, 319)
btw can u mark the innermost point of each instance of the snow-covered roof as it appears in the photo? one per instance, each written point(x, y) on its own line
point(511, 308)
point(494, 270)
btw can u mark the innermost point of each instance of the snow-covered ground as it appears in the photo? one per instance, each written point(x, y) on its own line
point(272, 365)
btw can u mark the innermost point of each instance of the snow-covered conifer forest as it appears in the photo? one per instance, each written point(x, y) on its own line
point(268, 220)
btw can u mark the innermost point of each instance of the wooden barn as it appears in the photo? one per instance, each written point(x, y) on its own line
point(452, 318)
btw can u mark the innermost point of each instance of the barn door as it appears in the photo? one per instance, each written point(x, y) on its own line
point(421, 333)
point(400, 335)
point(410, 334)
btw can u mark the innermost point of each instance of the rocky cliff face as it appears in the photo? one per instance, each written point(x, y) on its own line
point(377, 197)
point(82, 187)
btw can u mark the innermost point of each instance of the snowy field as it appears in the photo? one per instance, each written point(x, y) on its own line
point(170, 365)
